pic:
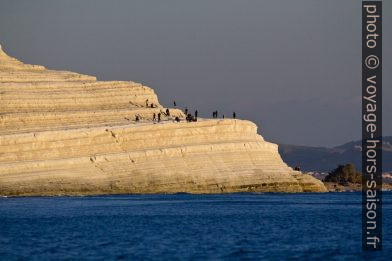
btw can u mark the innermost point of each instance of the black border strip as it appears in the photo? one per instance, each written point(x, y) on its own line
point(372, 125)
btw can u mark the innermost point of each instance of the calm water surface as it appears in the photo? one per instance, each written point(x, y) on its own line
point(188, 227)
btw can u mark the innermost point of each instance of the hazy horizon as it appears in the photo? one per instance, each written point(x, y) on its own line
point(292, 67)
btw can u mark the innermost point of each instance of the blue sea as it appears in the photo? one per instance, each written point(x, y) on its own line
point(189, 227)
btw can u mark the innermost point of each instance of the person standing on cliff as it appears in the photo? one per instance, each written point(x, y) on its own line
point(234, 115)
point(196, 112)
point(186, 110)
point(159, 117)
point(167, 112)
point(174, 103)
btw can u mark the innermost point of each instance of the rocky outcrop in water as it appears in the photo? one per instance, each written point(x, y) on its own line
point(64, 133)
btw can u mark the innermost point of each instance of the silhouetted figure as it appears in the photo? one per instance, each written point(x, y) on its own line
point(137, 118)
point(177, 119)
point(189, 117)
point(196, 112)
point(147, 103)
point(154, 117)
point(174, 103)
point(186, 111)
point(159, 117)
point(213, 114)
point(234, 115)
point(223, 116)
point(297, 168)
point(167, 112)
point(216, 114)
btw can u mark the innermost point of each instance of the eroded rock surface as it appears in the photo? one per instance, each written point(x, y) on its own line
point(63, 133)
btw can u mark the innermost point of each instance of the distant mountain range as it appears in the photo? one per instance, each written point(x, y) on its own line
point(324, 159)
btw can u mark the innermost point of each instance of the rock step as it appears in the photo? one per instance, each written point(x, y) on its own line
point(129, 140)
point(60, 115)
point(60, 87)
point(71, 107)
point(126, 144)
point(34, 122)
point(66, 85)
point(44, 76)
point(195, 173)
point(74, 104)
point(201, 127)
point(271, 163)
point(79, 92)
point(30, 148)
point(12, 97)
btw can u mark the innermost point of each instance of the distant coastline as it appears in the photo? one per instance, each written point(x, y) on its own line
point(351, 187)
point(324, 159)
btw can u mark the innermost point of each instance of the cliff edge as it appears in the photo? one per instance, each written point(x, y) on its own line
point(64, 133)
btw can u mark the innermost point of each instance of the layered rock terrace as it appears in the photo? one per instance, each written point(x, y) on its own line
point(64, 133)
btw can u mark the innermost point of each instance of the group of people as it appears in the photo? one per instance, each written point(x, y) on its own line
point(154, 116)
point(189, 116)
point(215, 115)
point(151, 105)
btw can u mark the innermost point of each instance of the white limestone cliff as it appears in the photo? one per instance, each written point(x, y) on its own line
point(63, 133)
